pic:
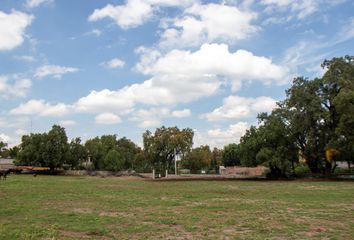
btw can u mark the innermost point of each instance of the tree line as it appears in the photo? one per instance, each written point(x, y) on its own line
point(314, 126)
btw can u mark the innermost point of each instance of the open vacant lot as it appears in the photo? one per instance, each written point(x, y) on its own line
point(53, 207)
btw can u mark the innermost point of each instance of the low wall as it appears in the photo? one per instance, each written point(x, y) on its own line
point(103, 173)
point(6, 163)
point(243, 171)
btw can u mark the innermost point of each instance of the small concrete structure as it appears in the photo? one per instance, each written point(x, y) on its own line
point(6, 163)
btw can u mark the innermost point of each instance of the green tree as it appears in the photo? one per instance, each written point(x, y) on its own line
point(250, 145)
point(278, 150)
point(56, 147)
point(199, 158)
point(319, 113)
point(114, 161)
point(141, 162)
point(161, 147)
point(109, 142)
point(14, 152)
point(95, 152)
point(337, 94)
point(31, 151)
point(129, 150)
point(44, 149)
point(77, 153)
point(216, 160)
point(231, 155)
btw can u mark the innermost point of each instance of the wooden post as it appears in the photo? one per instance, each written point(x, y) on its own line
point(153, 173)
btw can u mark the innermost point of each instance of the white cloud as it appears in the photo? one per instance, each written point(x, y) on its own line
point(12, 29)
point(147, 118)
point(107, 118)
point(152, 117)
point(299, 9)
point(5, 138)
point(53, 70)
point(235, 107)
point(114, 63)
point(21, 132)
point(177, 77)
point(218, 137)
point(121, 101)
point(134, 12)
point(14, 86)
point(203, 68)
point(181, 113)
point(36, 3)
point(208, 23)
point(41, 108)
point(95, 31)
point(25, 58)
point(182, 77)
point(67, 123)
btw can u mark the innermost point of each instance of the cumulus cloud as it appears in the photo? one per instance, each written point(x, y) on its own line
point(208, 23)
point(134, 12)
point(37, 3)
point(107, 118)
point(195, 74)
point(14, 86)
point(114, 63)
point(12, 29)
point(21, 132)
point(41, 108)
point(182, 113)
point(206, 64)
point(219, 137)
point(176, 77)
point(53, 70)
point(121, 101)
point(152, 117)
point(67, 123)
point(5, 138)
point(235, 107)
point(147, 118)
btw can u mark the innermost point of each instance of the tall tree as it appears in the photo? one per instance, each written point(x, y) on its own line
point(319, 113)
point(250, 144)
point(199, 158)
point(114, 161)
point(161, 147)
point(77, 153)
point(31, 151)
point(129, 150)
point(216, 160)
point(56, 147)
point(96, 152)
point(278, 149)
point(231, 155)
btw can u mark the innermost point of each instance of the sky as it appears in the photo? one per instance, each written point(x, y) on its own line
point(126, 66)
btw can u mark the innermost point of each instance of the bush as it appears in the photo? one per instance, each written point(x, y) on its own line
point(302, 170)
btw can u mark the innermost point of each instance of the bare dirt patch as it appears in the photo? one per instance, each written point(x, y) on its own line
point(82, 235)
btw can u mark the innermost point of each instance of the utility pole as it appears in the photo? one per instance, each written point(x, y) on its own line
point(175, 163)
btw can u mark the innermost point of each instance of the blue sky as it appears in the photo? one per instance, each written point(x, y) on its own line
point(125, 66)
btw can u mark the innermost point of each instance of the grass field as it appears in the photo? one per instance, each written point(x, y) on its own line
point(52, 207)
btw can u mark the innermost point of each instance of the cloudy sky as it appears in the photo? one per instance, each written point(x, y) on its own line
point(124, 66)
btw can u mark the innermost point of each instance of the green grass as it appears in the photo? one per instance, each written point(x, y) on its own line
point(52, 207)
